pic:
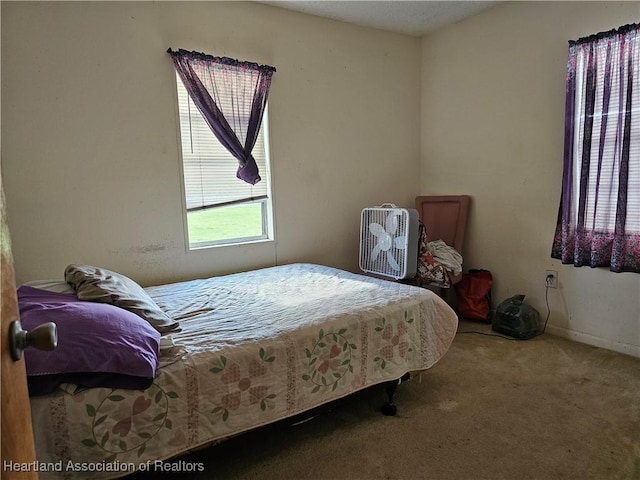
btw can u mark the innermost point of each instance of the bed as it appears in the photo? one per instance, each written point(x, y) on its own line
point(249, 349)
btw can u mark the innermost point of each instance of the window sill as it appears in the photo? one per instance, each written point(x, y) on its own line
point(230, 244)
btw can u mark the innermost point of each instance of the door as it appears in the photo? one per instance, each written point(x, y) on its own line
point(16, 446)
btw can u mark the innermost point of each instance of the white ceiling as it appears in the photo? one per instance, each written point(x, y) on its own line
point(417, 17)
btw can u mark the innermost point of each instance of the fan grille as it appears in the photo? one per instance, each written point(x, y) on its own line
point(386, 247)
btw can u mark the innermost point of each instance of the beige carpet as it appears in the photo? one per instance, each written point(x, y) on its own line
point(544, 408)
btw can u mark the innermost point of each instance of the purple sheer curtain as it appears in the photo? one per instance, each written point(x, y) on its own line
point(231, 96)
point(599, 215)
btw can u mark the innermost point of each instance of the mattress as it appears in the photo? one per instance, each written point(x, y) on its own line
point(254, 348)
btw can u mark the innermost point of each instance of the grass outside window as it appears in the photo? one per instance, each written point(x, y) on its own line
point(217, 225)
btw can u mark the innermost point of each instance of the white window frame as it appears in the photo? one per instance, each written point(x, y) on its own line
point(268, 229)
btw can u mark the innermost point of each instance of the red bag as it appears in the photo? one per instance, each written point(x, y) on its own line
point(474, 295)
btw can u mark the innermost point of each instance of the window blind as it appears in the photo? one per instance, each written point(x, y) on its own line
point(209, 169)
point(603, 217)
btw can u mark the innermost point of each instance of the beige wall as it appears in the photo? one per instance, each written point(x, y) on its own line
point(90, 145)
point(90, 152)
point(492, 127)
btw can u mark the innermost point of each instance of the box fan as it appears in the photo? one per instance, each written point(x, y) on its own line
point(389, 241)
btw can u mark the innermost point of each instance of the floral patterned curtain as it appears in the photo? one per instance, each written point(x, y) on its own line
point(232, 96)
point(599, 215)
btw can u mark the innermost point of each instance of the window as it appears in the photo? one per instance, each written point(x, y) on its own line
point(599, 217)
point(605, 149)
point(221, 209)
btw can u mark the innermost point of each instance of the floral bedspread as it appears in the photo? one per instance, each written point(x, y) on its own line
point(255, 348)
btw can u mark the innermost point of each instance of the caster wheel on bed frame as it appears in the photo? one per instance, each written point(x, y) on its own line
point(389, 409)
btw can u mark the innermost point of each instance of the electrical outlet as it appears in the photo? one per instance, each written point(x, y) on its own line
point(551, 278)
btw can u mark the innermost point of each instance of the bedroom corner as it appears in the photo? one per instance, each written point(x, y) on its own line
point(493, 97)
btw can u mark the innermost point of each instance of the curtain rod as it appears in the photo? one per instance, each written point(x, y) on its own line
point(609, 33)
point(223, 60)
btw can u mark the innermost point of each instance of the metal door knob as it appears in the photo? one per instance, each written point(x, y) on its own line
point(43, 337)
